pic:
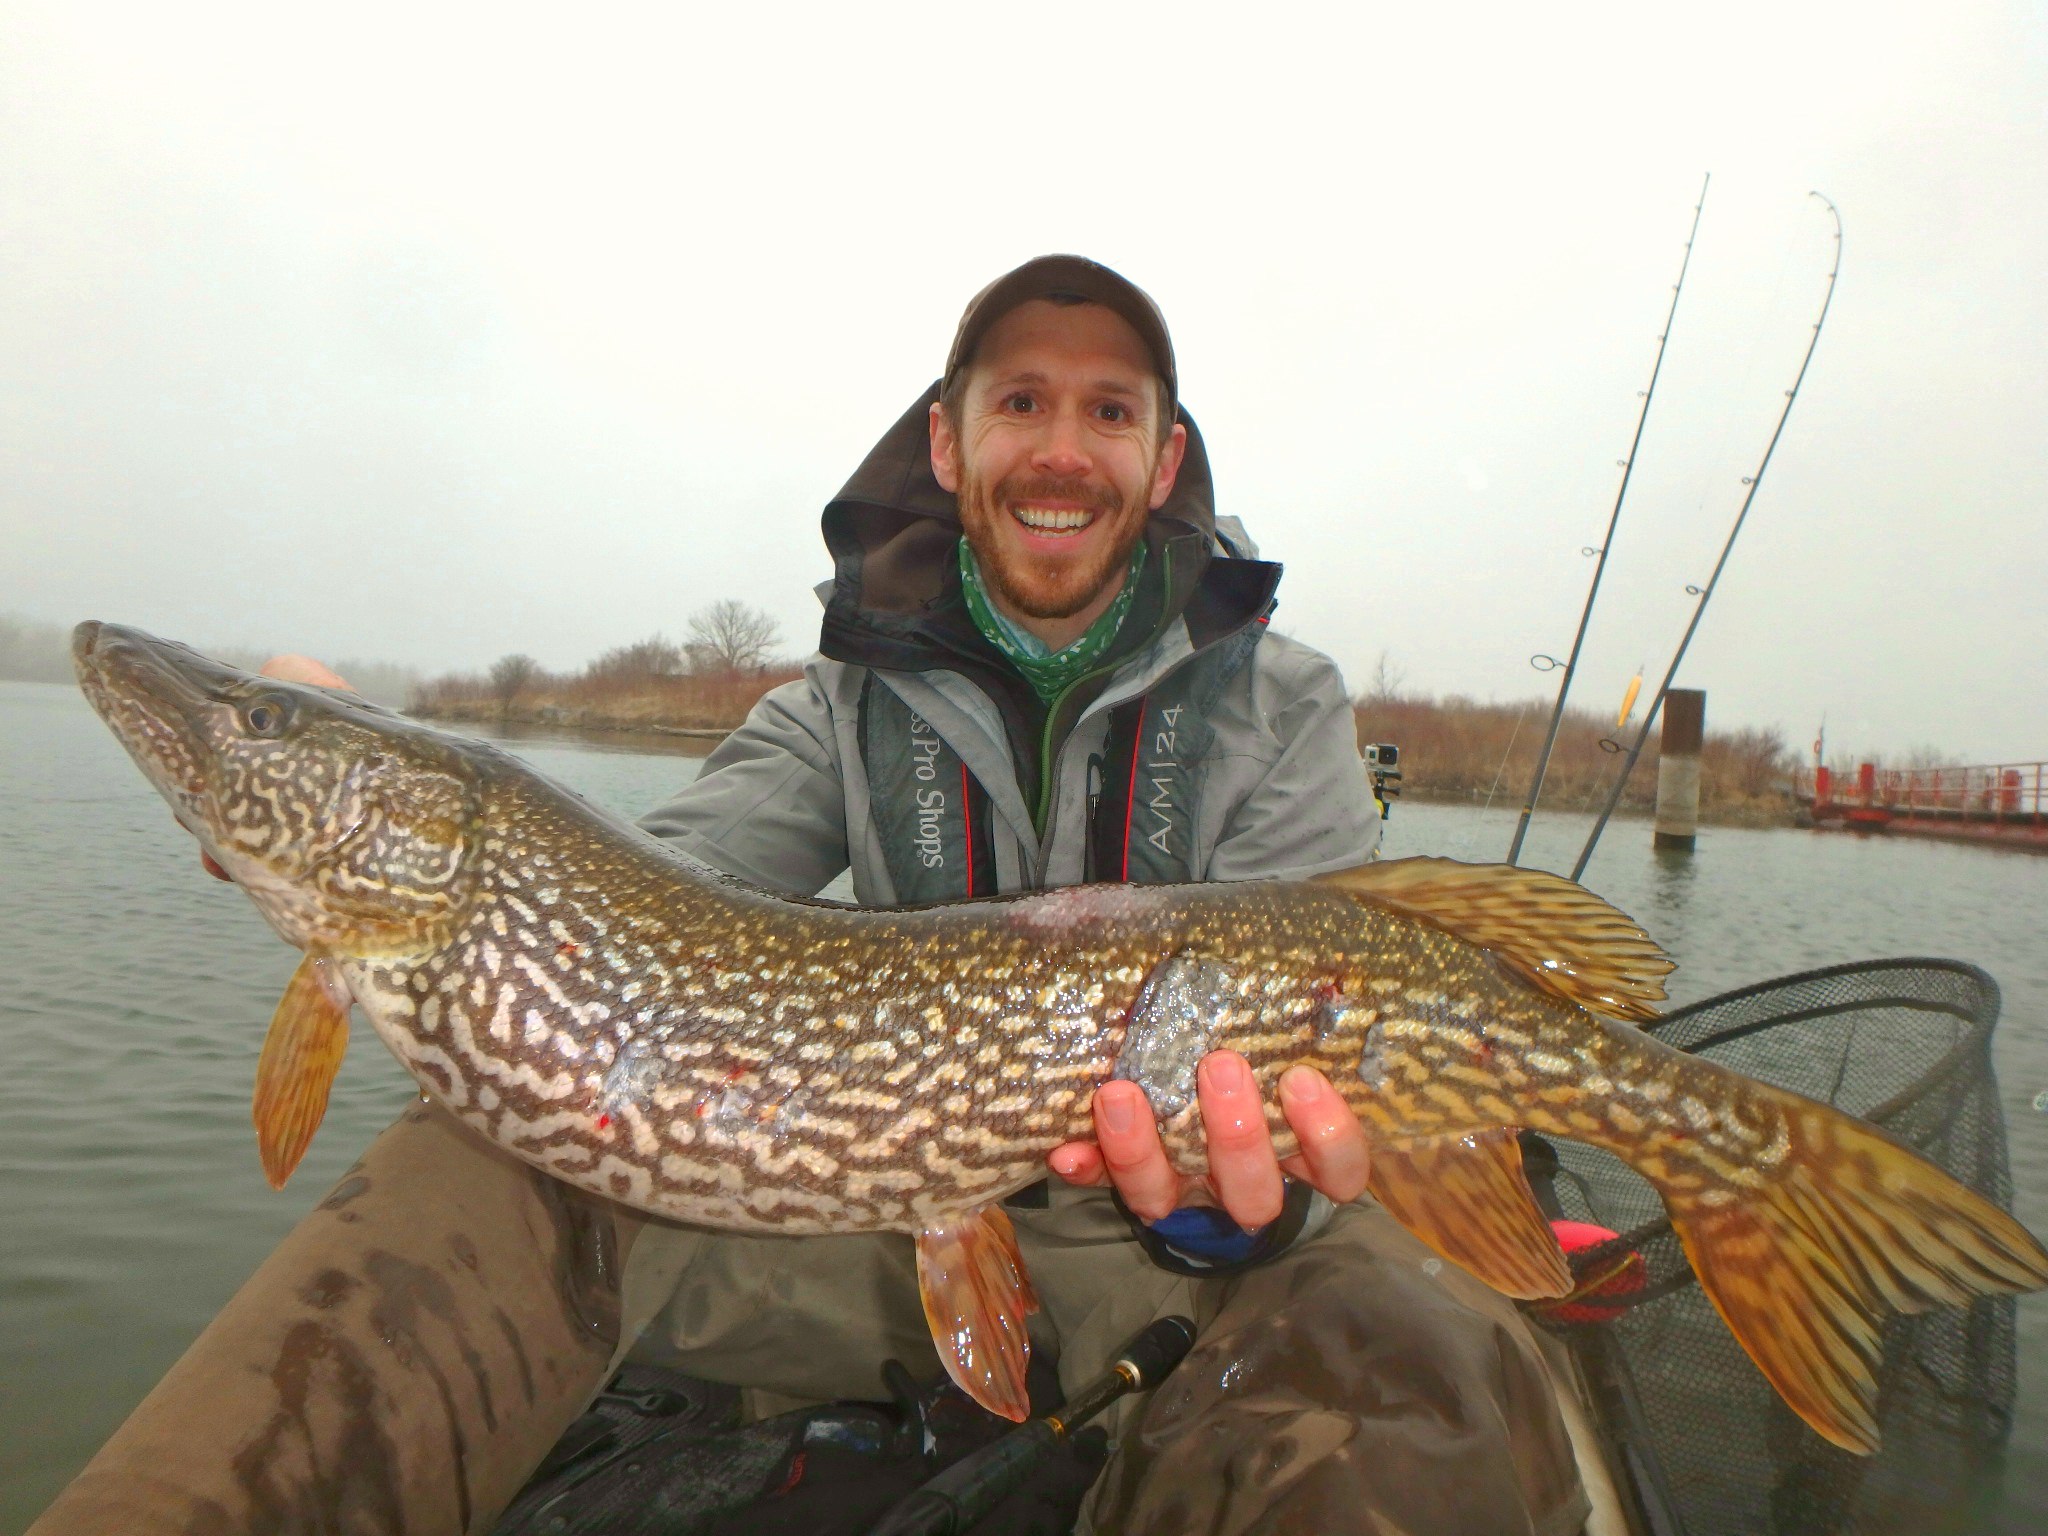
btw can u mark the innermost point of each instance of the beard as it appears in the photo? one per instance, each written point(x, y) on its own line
point(1049, 586)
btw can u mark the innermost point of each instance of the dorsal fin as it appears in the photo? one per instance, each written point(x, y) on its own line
point(1557, 935)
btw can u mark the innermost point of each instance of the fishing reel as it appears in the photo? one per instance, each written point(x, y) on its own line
point(1383, 766)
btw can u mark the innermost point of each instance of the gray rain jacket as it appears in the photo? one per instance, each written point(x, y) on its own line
point(1204, 747)
point(1207, 748)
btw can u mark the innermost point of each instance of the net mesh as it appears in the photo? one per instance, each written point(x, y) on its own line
point(1711, 1449)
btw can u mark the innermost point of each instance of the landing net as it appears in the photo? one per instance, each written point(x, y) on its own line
point(1707, 1444)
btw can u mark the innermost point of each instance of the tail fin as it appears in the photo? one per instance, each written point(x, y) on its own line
point(1801, 1267)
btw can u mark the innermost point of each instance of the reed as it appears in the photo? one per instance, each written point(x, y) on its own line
point(1452, 749)
point(605, 701)
point(1459, 749)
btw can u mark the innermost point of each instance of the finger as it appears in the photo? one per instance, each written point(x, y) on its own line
point(1242, 1165)
point(291, 668)
point(1128, 1135)
point(1334, 1151)
point(1078, 1162)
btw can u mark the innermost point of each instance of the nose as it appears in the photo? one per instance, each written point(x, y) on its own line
point(1063, 449)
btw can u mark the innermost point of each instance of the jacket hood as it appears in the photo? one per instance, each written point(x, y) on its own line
point(896, 602)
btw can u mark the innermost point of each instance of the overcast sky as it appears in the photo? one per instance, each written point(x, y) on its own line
point(427, 333)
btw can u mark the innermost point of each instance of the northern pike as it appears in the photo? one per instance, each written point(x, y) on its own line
point(628, 1020)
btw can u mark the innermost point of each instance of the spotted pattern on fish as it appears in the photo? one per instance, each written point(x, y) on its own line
point(659, 1034)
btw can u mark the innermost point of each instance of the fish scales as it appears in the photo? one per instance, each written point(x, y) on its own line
point(923, 1127)
point(849, 1032)
point(637, 1024)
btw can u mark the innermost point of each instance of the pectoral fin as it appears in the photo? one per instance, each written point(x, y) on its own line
point(1467, 1197)
point(301, 1054)
point(976, 1297)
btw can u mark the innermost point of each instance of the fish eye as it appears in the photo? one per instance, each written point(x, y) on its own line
point(268, 715)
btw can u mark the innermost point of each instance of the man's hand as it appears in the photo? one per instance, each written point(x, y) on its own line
point(288, 668)
point(1244, 1172)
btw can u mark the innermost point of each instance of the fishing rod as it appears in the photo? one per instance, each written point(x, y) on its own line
point(1628, 466)
point(1704, 594)
point(959, 1497)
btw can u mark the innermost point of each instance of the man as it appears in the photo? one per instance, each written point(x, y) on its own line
point(1044, 661)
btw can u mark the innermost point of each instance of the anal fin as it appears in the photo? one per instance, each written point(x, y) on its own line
point(301, 1054)
point(1467, 1197)
point(976, 1296)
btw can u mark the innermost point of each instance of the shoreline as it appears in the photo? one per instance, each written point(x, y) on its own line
point(1771, 810)
point(552, 721)
point(1757, 812)
point(1749, 815)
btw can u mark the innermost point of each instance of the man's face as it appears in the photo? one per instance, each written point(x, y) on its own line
point(1058, 457)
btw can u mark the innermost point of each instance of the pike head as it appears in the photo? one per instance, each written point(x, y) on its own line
point(355, 832)
point(352, 829)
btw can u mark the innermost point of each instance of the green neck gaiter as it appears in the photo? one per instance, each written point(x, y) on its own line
point(1048, 672)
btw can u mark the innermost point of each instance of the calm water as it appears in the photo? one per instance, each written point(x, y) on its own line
point(135, 991)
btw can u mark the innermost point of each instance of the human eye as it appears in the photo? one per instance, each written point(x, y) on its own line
point(1020, 403)
point(1114, 412)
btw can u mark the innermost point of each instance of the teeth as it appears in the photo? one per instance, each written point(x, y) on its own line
point(1052, 518)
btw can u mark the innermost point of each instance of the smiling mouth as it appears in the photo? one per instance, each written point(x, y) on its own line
point(1054, 520)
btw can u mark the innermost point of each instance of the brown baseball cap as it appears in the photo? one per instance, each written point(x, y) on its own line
point(1066, 280)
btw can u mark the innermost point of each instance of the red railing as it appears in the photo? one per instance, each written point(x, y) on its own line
point(2004, 791)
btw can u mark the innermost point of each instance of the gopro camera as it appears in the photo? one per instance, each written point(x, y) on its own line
point(1383, 765)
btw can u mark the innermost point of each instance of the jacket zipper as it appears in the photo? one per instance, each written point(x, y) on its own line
point(1043, 808)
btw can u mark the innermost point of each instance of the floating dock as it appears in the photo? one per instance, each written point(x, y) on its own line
point(2004, 804)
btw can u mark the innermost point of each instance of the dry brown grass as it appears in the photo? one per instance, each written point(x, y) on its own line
point(1453, 749)
point(1461, 750)
point(609, 702)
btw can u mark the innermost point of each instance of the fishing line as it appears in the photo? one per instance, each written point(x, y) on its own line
point(1520, 715)
point(1706, 593)
point(1706, 478)
point(1628, 465)
point(1750, 372)
point(1708, 481)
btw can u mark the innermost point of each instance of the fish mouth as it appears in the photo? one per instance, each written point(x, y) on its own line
point(155, 696)
point(124, 661)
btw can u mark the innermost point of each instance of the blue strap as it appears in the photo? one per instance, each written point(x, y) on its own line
point(1208, 1235)
point(1204, 1243)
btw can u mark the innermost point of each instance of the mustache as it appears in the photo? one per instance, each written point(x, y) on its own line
point(1097, 498)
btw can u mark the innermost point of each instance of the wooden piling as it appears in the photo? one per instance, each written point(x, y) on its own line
point(1678, 769)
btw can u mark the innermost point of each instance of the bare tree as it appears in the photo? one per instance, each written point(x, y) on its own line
point(732, 636)
point(1388, 679)
point(642, 661)
point(509, 675)
point(1758, 759)
point(1926, 755)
